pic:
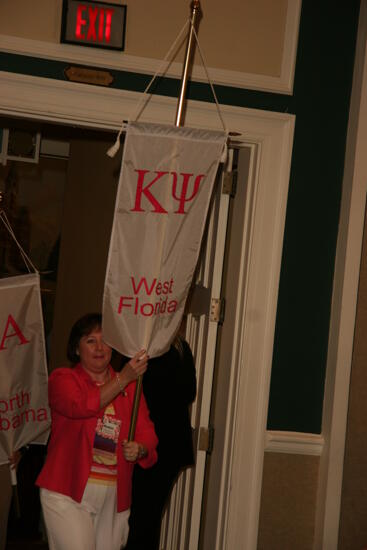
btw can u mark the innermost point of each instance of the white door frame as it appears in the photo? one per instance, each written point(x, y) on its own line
point(272, 134)
point(344, 303)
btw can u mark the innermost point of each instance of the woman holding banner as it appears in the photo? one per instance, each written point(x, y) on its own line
point(86, 480)
point(169, 386)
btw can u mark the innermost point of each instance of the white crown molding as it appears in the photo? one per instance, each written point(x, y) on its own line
point(69, 102)
point(294, 443)
point(98, 107)
point(122, 62)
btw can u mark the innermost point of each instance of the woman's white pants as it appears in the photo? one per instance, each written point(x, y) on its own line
point(92, 524)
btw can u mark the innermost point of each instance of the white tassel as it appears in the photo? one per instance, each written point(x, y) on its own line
point(115, 147)
point(224, 156)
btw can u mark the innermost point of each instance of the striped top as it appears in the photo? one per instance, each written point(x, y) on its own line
point(104, 462)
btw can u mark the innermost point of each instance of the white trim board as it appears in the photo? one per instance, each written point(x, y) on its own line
point(254, 349)
point(97, 107)
point(344, 303)
point(272, 135)
point(123, 62)
point(294, 443)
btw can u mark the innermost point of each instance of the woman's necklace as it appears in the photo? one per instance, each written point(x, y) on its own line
point(108, 378)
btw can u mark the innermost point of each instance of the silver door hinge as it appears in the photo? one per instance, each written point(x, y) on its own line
point(206, 439)
point(217, 307)
point(229, 185)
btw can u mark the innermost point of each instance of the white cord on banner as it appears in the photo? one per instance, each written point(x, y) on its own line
point(209, 80)
point(225, 149)
point(158, 71)
point(28, 263)
point(116, 146)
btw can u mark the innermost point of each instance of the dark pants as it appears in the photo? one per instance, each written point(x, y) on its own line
point(151, 488)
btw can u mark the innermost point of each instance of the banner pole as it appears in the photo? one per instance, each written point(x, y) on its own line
point(134, 413)
point(195, 12)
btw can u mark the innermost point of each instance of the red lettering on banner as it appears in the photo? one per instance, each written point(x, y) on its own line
point(164, 288)
point(182, 198)
point(123, 304)
point(172, 306)
point(167, 287)
point(17, 332)
point(14, 404)
point(147, 309)
point(20, 399)
point(29, 415)
point(143, 281)
point(80, 21)
point(160, 288)
point(140, 190)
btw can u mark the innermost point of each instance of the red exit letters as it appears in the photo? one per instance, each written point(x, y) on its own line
point(93, 23)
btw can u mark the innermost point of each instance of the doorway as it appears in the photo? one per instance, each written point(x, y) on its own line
point(61, 206)
point(57, 191)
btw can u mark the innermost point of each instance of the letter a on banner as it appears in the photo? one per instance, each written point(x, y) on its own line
point(24, 412)
point(166, 182)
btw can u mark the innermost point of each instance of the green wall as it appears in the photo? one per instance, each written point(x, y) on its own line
point(321, 103)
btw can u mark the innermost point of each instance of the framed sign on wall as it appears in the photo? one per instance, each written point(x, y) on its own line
point(96, 24)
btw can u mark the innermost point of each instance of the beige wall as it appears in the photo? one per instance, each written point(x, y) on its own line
point(239, 35)
point(288, 504)
point(38, 19)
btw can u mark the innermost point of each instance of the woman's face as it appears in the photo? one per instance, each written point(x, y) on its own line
point(95, 354)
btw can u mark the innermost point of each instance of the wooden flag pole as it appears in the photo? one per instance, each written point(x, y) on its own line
point(195, 12)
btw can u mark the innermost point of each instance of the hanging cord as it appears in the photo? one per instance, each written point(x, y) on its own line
point(113, 150)
point(138, 111)
point(224, 156)
point(209, 80)
point(29, 264)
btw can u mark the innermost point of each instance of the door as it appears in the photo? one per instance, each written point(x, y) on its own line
point(181, 523)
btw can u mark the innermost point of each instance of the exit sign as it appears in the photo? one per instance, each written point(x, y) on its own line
point(95, 24)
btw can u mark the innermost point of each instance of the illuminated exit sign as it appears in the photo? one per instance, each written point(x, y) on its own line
point(94, 24)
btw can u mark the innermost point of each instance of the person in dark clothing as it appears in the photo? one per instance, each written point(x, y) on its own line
point(169, 386)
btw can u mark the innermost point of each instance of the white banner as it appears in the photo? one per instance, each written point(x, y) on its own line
point(166, 182)
point(24, 412)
